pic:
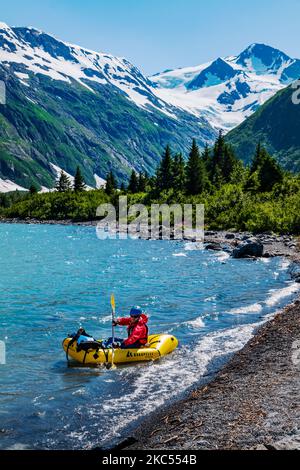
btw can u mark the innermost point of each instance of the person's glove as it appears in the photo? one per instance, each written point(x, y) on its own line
point(115, 323)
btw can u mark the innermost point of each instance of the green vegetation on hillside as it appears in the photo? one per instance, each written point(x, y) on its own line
point(96, 127)
point(276, 124)
point(258, 198)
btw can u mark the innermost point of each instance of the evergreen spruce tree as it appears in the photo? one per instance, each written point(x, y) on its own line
point(230, 162)
point(133, 186)
point(152, 183)
point(259, 157)
point(218, 179)
point(164, 177)
point(218, 159)
point(142, 183)
point(33, 190)
point(179, 173)
point(265, 170)
point(223, 161)
point(196, 173)
point(270, 173)
point(206, 157)
point(111, 184)
point(79, 183)
point(64, 184)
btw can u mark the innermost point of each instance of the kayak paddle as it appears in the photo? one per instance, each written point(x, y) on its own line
point(113, 312)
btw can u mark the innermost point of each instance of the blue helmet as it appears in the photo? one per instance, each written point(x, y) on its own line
point(136, 312)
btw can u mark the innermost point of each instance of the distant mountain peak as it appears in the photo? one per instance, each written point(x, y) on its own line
point(217, 72)
point(262, 58)
point(228, 90)
point(258, 45)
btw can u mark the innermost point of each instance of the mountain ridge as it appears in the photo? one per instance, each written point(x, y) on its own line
point(68, 105)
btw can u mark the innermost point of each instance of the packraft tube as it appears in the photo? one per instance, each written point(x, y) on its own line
point(159, 346)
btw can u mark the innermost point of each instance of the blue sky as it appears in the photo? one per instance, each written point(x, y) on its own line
point(160, 34)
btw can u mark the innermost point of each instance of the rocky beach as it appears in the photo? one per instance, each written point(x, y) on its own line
point(253, 402)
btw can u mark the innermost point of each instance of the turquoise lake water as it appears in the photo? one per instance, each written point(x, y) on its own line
point(54, 279)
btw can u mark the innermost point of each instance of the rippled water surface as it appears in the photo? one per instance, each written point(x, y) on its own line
point(54, 279)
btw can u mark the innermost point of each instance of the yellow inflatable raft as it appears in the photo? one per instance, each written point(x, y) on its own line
point(158, 346)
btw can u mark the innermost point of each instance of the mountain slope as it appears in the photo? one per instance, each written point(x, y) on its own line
point(69, 106)
point(277, 126)
point(230, 89)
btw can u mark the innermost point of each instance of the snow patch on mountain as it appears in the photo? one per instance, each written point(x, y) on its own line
point(100, 182)
point(6, 186)
point(45, 190)
point(59, 171)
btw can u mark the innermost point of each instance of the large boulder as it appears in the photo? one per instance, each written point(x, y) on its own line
point(210, 233)
point(230, 236)
point(249, 248)
point(214, 246)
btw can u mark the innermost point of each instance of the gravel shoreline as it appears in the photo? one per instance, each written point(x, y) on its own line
point(252, 403)
point(92, 223)
point(274, 245)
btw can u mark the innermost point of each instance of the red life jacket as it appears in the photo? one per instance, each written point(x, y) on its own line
point(137, 332)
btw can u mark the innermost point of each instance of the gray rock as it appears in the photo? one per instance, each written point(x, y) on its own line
point(288, 443)
point(227, 248)
point(294, 271)
point(214, 247)
point(210, 233)
point(230, 236)
point(268, 255)
point(268, 241)
point(249, 248)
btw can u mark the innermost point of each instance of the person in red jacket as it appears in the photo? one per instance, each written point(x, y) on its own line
point(137, 329)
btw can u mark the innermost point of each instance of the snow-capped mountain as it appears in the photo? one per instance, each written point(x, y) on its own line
point(40, 53)
point(229, 89)
point(69, 106)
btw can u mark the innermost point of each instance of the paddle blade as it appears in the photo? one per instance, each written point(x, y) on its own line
point(113, 302)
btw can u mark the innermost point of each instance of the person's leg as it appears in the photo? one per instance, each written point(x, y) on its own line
point(136, 345)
